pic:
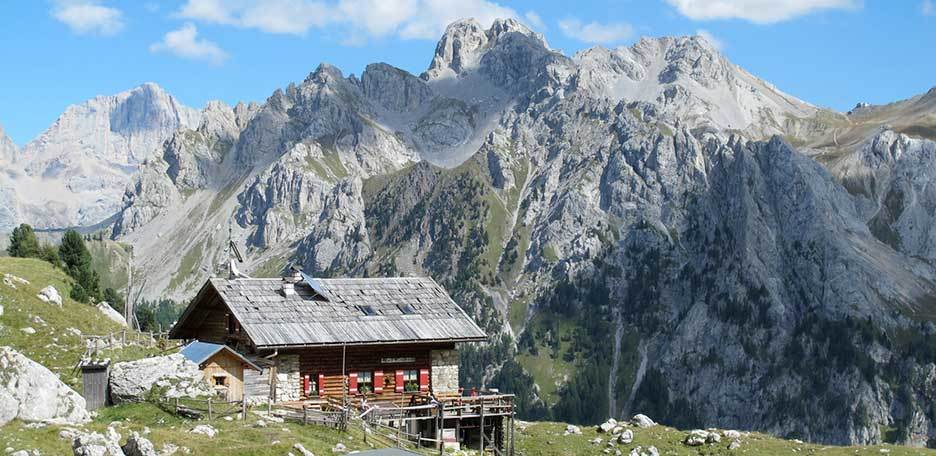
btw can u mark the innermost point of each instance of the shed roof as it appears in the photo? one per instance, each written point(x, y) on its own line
point(342, 311)
point(199, 352)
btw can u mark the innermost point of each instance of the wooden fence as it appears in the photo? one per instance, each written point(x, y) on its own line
point(337, 419)
point(122, 338)
point(209, 408)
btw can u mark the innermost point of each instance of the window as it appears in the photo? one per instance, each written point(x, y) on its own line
point(365, 382)
point(368, 310)
point(411, 381)
point(407, 309)
point(220, 380)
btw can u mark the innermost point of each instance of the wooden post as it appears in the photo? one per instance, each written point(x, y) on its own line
point(305, 414)
point(400, 424)
point(209, 408)
point(123, 338)
point(482, 427)
point(440, 428)
point(176, 405)
point(510, 443)
point(244, 407)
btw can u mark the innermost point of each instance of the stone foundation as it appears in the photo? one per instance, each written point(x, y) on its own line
point(288, 387)
point(444, 371)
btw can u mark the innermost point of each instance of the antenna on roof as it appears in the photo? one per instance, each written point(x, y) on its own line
point(233, 253)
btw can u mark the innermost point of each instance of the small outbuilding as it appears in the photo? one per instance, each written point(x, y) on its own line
point(223, 367)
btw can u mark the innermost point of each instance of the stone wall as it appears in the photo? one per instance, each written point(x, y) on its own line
point(288, 380)
point(444, 371)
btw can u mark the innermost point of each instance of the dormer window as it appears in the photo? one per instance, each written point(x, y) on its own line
point(368, 310)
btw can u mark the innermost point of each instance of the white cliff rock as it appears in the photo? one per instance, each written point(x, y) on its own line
point(174, 374)
point(29, 392)
point(51, 295)
point(111, 313)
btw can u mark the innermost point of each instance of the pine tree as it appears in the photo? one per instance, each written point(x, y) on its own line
point(23, 242)
point(77, 262)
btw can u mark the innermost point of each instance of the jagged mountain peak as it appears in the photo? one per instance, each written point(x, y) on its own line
point(691, 81)
point(324, 73)
point(8, 149)
point(464, 43)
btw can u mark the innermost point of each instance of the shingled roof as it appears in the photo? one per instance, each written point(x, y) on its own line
point(323, 312)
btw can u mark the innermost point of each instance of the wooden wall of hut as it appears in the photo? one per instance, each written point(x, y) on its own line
point(327, 362)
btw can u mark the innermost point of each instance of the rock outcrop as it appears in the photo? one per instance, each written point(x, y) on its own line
point(173, 376)
point(111, 313)
point(50, 295)
point(29, 392)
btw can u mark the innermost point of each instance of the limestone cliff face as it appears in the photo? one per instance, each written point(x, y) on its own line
point(631, 215)
point(9, 212)
point(75, 172)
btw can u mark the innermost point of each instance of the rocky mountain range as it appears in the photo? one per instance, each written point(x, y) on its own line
point(75, 173)
point(647, 229)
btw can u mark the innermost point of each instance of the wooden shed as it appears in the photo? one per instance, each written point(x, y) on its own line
point(223, 367)
point(94, 383)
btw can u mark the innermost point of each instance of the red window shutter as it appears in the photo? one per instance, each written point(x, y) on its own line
point(306, 385)
point(423, 379)
point(321, 384)
point(352, 383)
point(378, 382)
point(399, 381)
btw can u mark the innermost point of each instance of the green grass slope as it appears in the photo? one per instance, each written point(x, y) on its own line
point(547, 439)
point(52, 345)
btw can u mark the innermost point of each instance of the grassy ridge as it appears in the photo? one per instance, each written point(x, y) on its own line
point(52, 345)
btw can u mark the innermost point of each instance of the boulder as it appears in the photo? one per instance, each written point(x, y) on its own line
point(302, 450)
point(112, 314)
point(174, 374)
point(205, 429)
point(11, 280)
point(28, 330)
point(713, 436)
point(627, 436)
point(340, 448)
point(731, 434)
point(607, 426)
point(734, 445)
point(573, 429)
point(696, 438)
point(137, 445)
point(642, 421)
point(51, 295)
point(650, 451)
point(31, 393)
point(95, 444)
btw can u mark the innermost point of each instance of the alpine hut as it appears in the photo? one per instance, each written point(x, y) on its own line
point(315, 338)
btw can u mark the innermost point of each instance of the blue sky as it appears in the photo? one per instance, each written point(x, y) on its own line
point(829, 52)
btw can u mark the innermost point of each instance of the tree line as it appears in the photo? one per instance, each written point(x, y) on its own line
point(72, 256)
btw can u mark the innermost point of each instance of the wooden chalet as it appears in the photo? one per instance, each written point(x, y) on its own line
point(355, 342)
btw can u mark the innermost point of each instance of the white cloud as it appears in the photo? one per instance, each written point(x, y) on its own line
point(928, 8)
point(184, 42)
point(88, 17)
point(433, 15)
point(711, 39)
point(534, 20)
point(757, 11)
point(413, 19)
point(595, 32)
